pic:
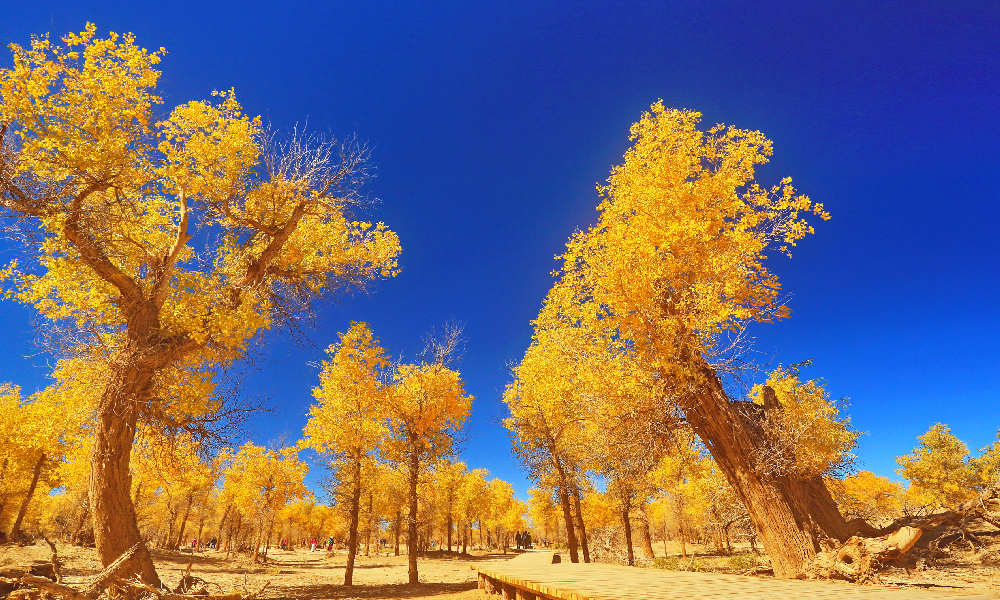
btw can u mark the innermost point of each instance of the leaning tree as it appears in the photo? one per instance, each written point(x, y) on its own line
point(164, 243)
point(673, 272)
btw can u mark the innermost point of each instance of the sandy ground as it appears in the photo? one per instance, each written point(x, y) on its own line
point(304, 575)
point(292, 575)
point(957, 567)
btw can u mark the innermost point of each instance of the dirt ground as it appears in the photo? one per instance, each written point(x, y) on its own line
point(304, 575)
point(292, 575)
point(956, 567)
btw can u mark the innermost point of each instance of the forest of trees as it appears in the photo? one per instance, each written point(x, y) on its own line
point(158, 248)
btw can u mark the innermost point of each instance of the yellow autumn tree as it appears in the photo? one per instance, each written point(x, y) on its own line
point(987, 465)
point(675, 269)
point(40, 430)
point(868, 496)
point(427, 406)
point(544, 512)
point(939, 467)
point(259, 483)
point(548, 419)
point(173, 482)
point(170, 239)
point(346, 425)
point(472, 504)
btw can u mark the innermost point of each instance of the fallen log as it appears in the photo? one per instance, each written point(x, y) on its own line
point(859, 558)
point(50, 587)
point(101, 580)
point(862, 555)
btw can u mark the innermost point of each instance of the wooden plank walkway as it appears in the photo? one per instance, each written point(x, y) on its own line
point(531, 576)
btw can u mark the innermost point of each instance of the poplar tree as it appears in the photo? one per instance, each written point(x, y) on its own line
point(164, 242)
point(346, 425)
point(675, 271)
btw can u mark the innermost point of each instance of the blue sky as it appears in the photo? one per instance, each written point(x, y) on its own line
point(491, 123)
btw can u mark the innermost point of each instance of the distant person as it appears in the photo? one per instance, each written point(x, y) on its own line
point(212, 544)
point(312, 547)
point(517, 540)
point(527, 539)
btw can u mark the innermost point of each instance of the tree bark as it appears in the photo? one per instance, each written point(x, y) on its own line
point(184, 519)
point(791, 515)
point(647, 538)
point(35, 473)
point(84, 513)
point(449, 528)
point(115, 526)
point(583, 528)
point(567, 513)
point(627, 524)
point(397, 527)
point(411, 526)
point(352, 532)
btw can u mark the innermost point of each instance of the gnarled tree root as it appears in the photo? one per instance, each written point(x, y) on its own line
point(862, 555)
point(859, 558)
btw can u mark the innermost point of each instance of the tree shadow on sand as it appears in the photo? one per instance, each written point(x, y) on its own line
point(398, 590)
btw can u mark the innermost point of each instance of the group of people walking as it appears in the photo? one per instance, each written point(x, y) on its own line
point(523, 540)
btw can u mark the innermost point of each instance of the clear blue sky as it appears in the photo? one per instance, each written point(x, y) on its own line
point(491, 123)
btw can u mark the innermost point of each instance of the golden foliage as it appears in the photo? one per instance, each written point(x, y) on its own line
point(939, 467)
point(868, 496)
point(809, 437)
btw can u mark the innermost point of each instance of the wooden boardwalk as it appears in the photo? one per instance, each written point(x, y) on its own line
point(531, 576)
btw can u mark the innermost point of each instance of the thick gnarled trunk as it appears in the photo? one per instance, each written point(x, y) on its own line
point(791, 515)
point(115, 526)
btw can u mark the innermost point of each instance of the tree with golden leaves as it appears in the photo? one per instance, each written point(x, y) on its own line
point(675, 269)
point(346, 425)
point(865, 495)
point(259, 483)
point(164, 242)
point(427, 406)
point(940, 467)
point(548, 419)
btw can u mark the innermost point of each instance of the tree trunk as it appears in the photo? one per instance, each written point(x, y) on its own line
point(15, 529)
point(84, 513)
point(371, 520)
point(201, 526)
point(411, 526)
point(579, 521)
point(187, 513)
point(222, 522)
point(567, 513)
point(3, 495)
point(647, 538)
point(791, 515)
point(627, 524)
point(450, 523)
point(352, 531)
point(115, 526)
point(398, 527)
